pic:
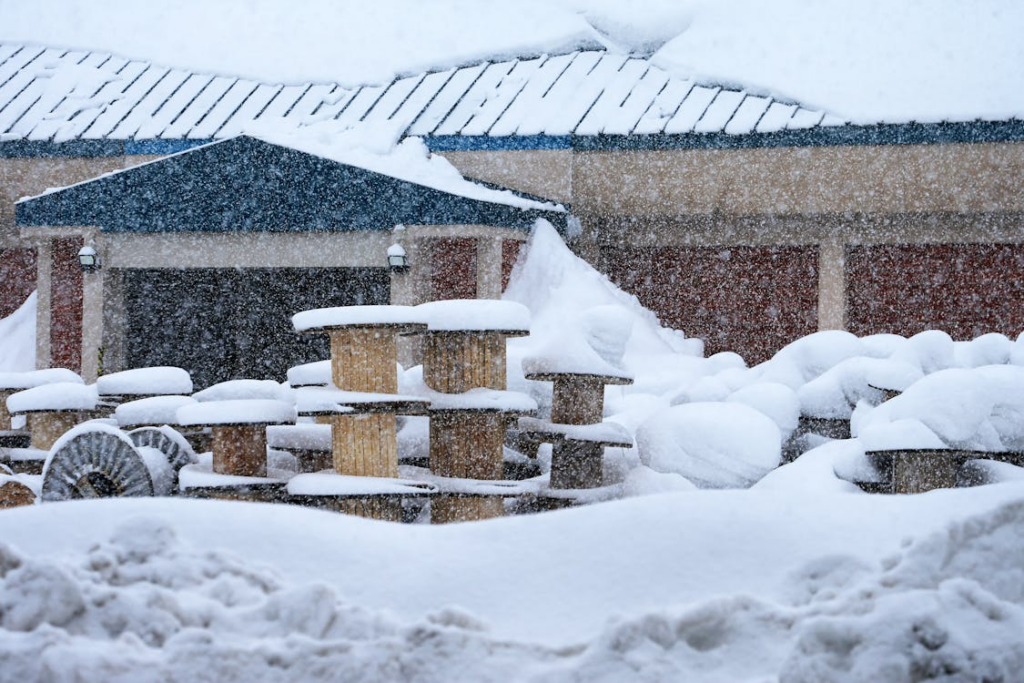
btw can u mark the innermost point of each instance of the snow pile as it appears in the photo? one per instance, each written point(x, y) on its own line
point(145, 382)
point(760, 590)
point(18, 338)
point(712, 445)
point(977, 409)
point(35, 378)
point(379, 147)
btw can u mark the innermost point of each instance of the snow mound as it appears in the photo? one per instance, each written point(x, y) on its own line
point(243, 389)
point(145, 381)
point(55, 396)
point(728, 445)
point(18, 339)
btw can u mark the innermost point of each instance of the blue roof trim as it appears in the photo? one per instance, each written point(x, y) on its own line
point(161, 146)
point(474, 143)
point(822, 136)
point(27, 149)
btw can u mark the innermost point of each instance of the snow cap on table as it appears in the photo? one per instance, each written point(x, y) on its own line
point(483, 400)
point(145, 381)
point(309, 397)
point(311, 400)
point(56, 396)
point(475, 315)
point(245, 389)
point(354, 316)
point(571, 355)
point(36, 378)
point(315, 374)
point(301, 437)
point(333, 484)
point(237, 412)
point(156, 410)
point(602, 432)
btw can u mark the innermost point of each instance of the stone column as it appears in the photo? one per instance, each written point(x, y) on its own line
point(832, 282)
point(44, 294)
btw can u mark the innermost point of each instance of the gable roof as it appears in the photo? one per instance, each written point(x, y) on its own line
point(247, 184)
point(49, 94)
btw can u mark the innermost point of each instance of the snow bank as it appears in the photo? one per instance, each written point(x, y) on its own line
point(829, 587)
point(978, 409)
point(145, 381)
point(18, 339)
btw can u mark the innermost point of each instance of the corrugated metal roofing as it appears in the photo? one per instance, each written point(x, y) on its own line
point(57, 95)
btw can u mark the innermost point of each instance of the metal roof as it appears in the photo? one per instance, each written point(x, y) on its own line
point(57, 95)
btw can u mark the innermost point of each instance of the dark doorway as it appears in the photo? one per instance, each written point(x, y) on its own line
point(222, 323)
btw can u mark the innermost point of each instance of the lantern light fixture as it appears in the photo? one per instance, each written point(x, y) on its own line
point(398, 262)
point(88, 258)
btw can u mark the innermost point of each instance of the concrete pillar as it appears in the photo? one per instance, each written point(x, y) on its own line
point(832, 282)
point(488, 267)
point(44, 284)
point(92, 323)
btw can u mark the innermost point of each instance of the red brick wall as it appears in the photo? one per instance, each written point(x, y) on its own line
point(453, 268)
point(964, 289)
point(751, 300)
point(17, 278)
point(509, 254)
point(66, 306)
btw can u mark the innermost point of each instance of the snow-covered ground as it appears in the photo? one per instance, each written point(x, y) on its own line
point(710, 586)
point(867, 61)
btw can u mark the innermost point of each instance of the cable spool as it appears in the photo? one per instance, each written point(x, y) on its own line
point(168, 441)
point(95, 462)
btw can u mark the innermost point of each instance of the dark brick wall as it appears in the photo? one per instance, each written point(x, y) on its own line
point(964, 289)
point(17, 278)
point(751, 300)
point(66, 305)
point(453, 268)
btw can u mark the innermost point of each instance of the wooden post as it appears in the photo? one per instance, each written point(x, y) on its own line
point(14, 494)
point(455, 362)
point(364, 359)
point(577, 400)
point(240, 450)
point(577, 465)
point(365, 444)
point(47, 427)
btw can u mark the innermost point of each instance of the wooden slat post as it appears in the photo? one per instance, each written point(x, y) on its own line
point(364, 359)
point(577, 400)
point(455, 362)
point(467, 445)
point(365, 444)
point(240, 450)
point(577, 465)
point(47, 427)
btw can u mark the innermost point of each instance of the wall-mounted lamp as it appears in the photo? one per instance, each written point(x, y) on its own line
point(398, 262)
point(88, 258)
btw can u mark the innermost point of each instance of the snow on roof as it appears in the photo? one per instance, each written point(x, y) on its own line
point(58, 95)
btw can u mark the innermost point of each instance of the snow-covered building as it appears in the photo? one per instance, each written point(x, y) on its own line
point(739, 219)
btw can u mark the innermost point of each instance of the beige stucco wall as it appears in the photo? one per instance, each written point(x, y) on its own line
point(810, 180)
point(547, 173)
point(31, 176)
